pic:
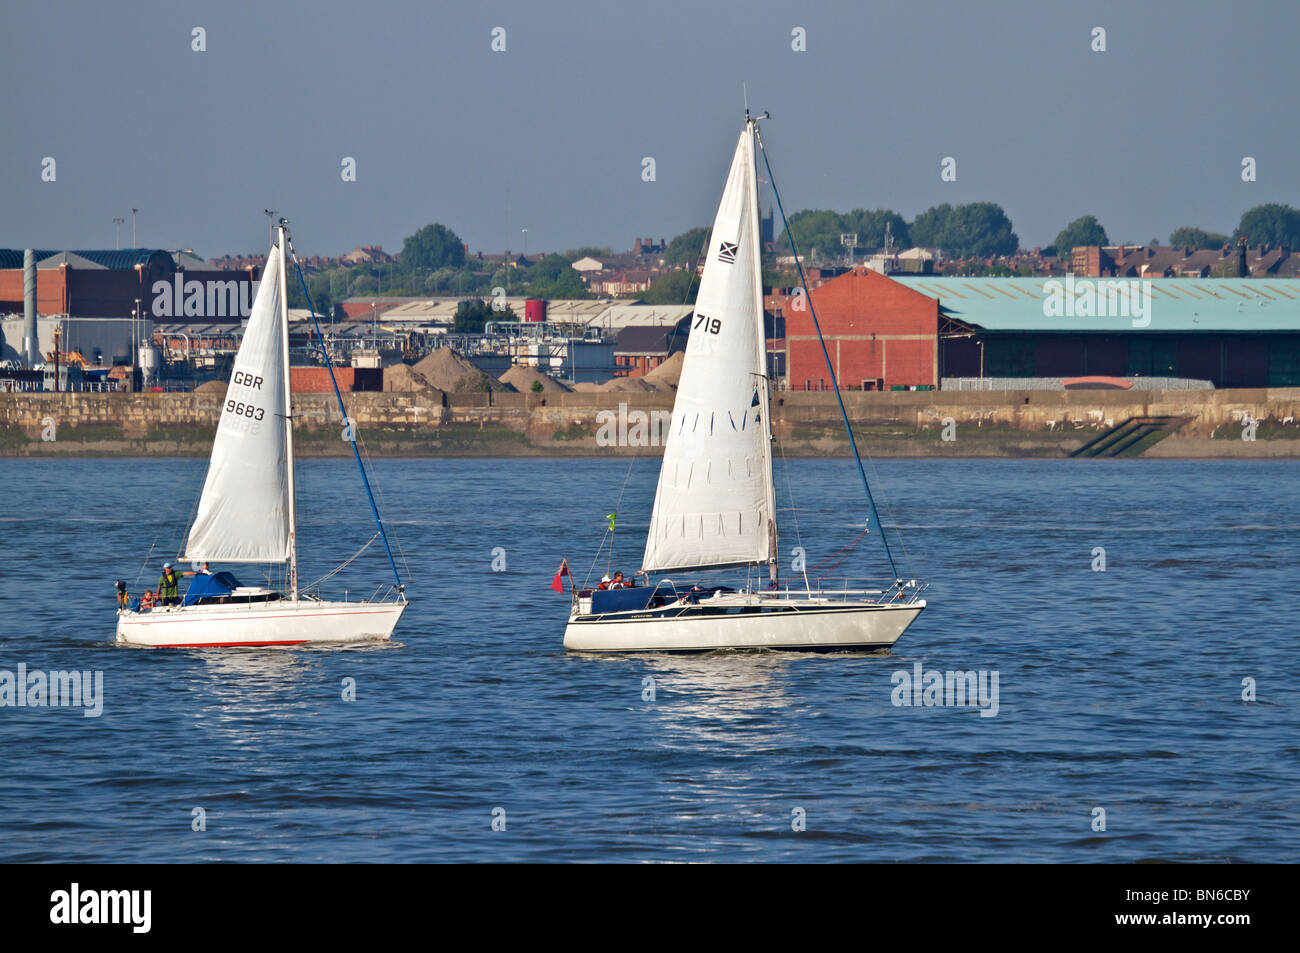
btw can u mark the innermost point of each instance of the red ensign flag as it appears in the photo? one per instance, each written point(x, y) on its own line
point(556, 584)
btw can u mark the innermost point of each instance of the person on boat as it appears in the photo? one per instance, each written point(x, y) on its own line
point(147, 601)
point(169, 587)
point(618, 582)
point(604, 582)
point(123, 597)
point(205, 571)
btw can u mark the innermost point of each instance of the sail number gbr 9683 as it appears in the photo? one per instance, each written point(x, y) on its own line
point(240, 409)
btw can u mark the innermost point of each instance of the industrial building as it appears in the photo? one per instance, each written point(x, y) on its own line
point(919, 331)
point(104, 304)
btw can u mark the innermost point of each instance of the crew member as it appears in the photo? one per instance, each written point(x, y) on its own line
point(169, 587)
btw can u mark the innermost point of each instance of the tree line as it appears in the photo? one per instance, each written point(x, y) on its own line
point(983, 230)
point(433, 261)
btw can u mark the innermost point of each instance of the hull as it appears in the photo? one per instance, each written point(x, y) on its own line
point(806, 625)
point(259, 624)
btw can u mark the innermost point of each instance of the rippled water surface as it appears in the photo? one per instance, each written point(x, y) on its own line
point(1119, 690)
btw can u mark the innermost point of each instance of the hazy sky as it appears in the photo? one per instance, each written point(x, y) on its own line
point(1148, 136)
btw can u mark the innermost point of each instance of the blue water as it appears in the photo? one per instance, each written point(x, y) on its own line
point(1119, 690)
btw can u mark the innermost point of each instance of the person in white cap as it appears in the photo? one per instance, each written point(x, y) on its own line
point(169, 587)
point(604, 582)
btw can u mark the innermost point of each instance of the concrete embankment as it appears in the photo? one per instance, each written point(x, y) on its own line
point(901, 423)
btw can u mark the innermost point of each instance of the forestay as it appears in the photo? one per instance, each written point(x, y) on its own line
point(714, 504)
point(243, 515)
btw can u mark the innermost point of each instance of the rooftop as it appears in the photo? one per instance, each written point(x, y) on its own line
point(1176, 304)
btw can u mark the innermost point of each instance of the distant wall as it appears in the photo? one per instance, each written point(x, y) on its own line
point(902, 423)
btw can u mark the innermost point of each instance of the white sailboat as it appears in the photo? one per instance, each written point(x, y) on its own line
point(715, 506)
point(247, 513)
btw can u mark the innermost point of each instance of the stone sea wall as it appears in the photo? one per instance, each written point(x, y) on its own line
point(895, 423)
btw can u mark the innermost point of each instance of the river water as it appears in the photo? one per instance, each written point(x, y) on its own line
point(1118, 691)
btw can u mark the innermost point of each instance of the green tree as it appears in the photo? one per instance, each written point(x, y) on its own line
point(870, 227)
point(553, 277)
point(686, 247)
point(434, 246)
point(817, 228)
point(928, 228)
point(1195, 238)
point(1085, 230)
point(1271, 225)
point(672, 287)
point(473, 316)
point(974, 230)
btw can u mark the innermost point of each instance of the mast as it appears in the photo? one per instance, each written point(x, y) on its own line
point(760, 337)
point(288, 412)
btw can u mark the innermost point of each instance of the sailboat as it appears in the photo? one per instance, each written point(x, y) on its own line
point(715, 506)
point(247, 513)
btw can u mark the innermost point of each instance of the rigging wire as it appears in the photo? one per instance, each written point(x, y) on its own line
point(803, 281)
point(365, 479)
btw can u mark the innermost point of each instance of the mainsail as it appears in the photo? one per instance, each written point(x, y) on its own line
point(243, 515)
point(715, 505)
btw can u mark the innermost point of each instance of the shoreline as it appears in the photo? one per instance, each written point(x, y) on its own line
point(1225, 424)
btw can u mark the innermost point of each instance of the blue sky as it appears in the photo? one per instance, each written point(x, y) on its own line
point(550, 134)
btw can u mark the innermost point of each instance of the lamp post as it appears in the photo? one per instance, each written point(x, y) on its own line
point(133, 244)
point(136, 320)
point(117, 237)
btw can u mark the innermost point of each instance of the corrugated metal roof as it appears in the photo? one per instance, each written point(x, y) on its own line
point(114, 259)
point(1173, 304)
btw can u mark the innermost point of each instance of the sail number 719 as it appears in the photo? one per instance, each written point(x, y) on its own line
point(712, 325)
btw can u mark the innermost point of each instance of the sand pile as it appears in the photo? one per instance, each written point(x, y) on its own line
point(402, 378)
point(211, 387)
point(446, 370)
point(643, 384)
point(521, 378)
point(669, 372)
point(587, 387)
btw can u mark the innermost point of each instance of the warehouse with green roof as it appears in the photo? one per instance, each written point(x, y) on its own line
point(921, 330)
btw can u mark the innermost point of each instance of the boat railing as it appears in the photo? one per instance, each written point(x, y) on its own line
point(850, 587)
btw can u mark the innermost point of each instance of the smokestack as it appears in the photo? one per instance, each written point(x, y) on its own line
point(31, 347)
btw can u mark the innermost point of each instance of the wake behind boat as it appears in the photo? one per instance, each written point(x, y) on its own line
point(247, 514)
point(715, 506)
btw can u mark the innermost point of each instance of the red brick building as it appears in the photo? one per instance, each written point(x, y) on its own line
point(879, 333)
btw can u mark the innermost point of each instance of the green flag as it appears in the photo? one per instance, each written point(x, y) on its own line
point(610, 517)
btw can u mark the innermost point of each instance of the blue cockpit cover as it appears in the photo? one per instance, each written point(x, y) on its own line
point(619, 600)
point(206, 586)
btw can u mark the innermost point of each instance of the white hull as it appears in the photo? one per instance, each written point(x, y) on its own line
point(263, 623)
point(809, 625)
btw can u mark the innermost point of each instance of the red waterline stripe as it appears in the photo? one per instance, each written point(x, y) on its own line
point(223, 645)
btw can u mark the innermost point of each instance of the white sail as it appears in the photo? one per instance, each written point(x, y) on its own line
point(243, 515)
point(714, 504)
